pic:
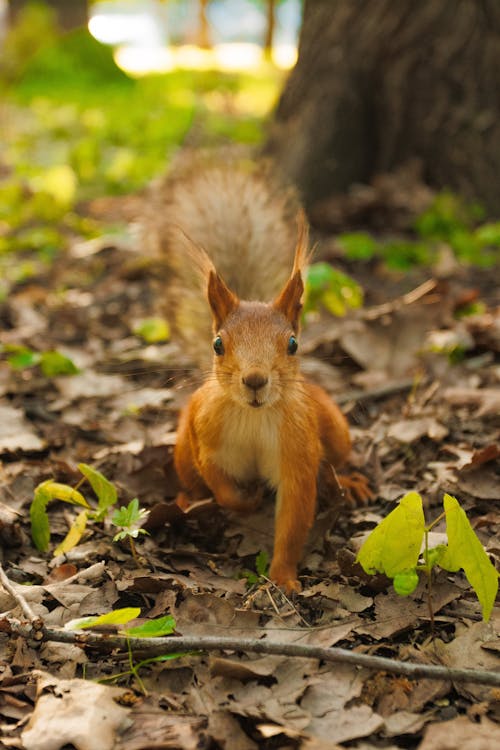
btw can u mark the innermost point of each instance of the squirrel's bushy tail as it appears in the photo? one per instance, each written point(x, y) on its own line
point(241, 214)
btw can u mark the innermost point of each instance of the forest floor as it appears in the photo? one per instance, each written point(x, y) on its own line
point(419, 421)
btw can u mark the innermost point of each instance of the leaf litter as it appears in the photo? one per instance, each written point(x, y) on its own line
point(421, 423)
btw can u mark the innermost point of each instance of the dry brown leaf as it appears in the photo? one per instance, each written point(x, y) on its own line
point(277, 703)
point(334, 716)
point(394, 613)
point(16, 433)
point(154, 727)
point(484, 455)
point(487, 400)
point(74, 712)
point(410, 430)
point(483, 483)
point(245, 670)
point(88, 384)
point(461, 733)
point(392, 343)
point(405, 722)
point(466, 651)
point(228, 734)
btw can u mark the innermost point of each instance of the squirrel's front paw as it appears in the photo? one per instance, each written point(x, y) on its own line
point(241, 501)
point(356, 488)
point(285, 576)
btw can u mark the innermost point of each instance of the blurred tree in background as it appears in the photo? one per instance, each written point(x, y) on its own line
point(380, 82)
point(70, 13)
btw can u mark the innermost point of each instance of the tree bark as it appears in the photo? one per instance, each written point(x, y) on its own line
point(203, 38)
point(270, 26)
point(379, 83)
point(71, 14)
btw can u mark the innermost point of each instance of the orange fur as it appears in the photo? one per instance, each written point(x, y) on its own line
point(257, 422)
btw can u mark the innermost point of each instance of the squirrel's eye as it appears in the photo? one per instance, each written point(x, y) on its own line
point(292, 345)
point(218, 346)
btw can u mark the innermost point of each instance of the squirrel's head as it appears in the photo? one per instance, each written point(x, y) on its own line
point(255, 343)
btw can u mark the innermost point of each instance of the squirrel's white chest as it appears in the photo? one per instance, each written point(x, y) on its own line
point(250, 446)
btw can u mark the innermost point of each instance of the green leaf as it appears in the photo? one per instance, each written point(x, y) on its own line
point(488, 234)
point(74, 534)
point(405, 582)
point(332, 289)
point(103, 488)
point(466, 551)
point(394, 545)
point(64, 492)
point(21, 357)
point(54, 363)
point(164, 657)
point(44, 494)
point(129, 517)
point(358, 245)
point(262, 563)
point(128, 533)
point(153, 330)
point(40, 529)
point(60, 182)
point(153, 628)
point(433, 557)
point(117, 617)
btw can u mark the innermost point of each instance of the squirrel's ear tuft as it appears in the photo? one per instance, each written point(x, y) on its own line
point(221, 298)
point(289, 301)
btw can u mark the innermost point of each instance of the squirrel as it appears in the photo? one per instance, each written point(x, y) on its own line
point(255, 422)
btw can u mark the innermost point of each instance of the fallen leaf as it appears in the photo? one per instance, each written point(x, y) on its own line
point(466, 651)
point(88, 385)
point(333, 716)
point(487, 400)
point(405, 722)
point(16, 433)
point(461, 733)
point(74, 712)
point(410, 430)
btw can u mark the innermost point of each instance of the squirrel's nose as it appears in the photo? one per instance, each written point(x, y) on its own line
point(254, 380)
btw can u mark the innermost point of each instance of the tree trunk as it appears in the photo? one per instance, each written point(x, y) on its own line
point(270, 26)
point(379, 83)
point(71, 14)
point(203, 35)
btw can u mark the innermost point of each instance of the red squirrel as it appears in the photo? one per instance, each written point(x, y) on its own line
point(255, 422)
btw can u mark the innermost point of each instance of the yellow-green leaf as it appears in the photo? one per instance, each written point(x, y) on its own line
point(59, 491)
point(466, 551)
point(153, 330)
point(44, 494)
point(74, 534)
point(394, 545)
point(60, 182)
point(40, 529)
point(103, 488)
point(153, 628)
point(405, 582)
point(117, 617)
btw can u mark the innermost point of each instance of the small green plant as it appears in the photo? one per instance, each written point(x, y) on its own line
point(329, 288)
point(157, 628)
point(449, 221)
point(127, 518)
point(153, 330)
point(394, 548)
point(261, 570)
point(51, 363)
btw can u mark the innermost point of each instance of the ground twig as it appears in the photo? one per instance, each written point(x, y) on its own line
point(159, 646)
point(35, 620)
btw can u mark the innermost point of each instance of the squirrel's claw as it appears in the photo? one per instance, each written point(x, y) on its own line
point(285, 577)
point(356, 489)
